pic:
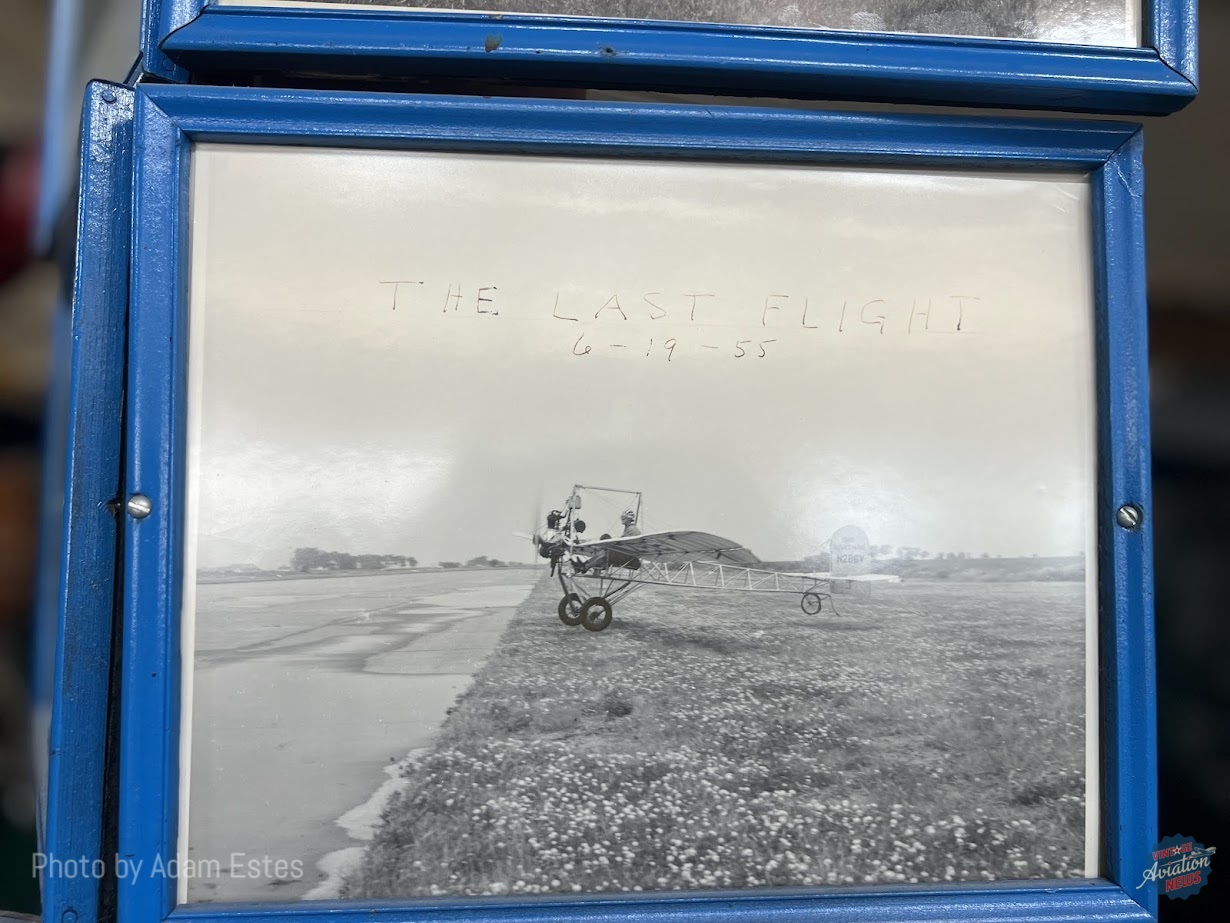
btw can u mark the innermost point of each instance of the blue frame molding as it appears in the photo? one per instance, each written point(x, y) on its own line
point(1126, 637)
point(170, 118)
point(191, 37)
point(84, 473)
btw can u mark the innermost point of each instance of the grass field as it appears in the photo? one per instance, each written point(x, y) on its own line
point(931, 732)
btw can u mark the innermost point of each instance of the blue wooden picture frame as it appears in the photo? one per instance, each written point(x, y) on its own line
point(169, 119)
point(183, 38)
point(83, 475)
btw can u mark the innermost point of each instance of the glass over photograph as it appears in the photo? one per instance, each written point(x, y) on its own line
point(577, 525)
point(1082, 22)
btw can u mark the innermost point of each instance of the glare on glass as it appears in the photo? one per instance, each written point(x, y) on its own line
point(1083, 22)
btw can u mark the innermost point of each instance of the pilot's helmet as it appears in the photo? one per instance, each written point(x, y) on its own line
point(553, 519)
point(627, 516)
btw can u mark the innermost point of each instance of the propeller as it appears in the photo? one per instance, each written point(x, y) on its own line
point(535, 520)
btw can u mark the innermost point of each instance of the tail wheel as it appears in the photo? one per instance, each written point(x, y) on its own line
point(570, 609)
point(810, 603)
point(596, 613)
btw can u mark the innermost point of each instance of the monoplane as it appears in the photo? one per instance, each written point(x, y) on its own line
point(595, 574)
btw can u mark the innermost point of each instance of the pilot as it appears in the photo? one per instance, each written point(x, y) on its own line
point(551, 541)
point(628, 518)
point(610, 557)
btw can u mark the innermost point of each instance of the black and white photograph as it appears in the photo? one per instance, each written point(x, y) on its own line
point(1082, 22)
point(578, 525)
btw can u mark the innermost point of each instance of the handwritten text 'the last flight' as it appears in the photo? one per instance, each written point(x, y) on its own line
point(594, 319)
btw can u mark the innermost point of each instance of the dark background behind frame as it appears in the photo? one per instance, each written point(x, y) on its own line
point(1187, 212)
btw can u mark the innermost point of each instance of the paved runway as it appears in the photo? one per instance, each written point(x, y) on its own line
point(306, 694)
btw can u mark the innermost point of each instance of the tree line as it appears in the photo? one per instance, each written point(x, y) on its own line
point(888, 554)
point(481, 561)
point(309, 559)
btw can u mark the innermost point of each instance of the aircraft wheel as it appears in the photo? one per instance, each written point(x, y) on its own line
point(570, 609)
point(596, 613)
point(810, 603)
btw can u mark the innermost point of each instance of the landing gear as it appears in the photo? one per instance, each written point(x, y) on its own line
point(810, 603)
point(596, 613)
point(570, 609)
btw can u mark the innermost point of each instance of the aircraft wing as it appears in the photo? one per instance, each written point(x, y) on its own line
point(677, 547)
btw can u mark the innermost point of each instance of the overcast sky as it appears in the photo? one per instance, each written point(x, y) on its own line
point(323, 415)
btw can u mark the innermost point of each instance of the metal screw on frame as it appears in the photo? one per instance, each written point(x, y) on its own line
point(139, 506)
point(1129, 516)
